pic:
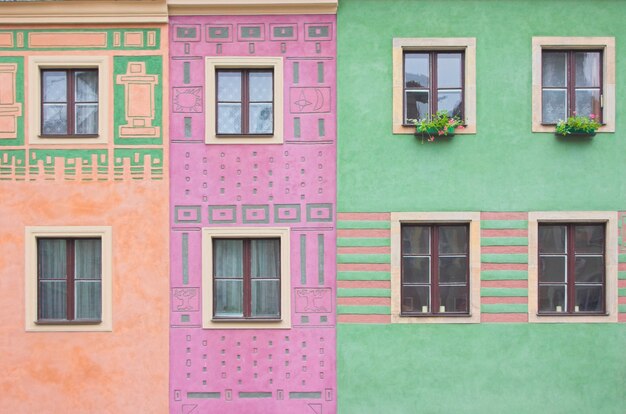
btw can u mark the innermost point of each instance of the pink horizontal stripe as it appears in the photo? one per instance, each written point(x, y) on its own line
point(504, 266)
point(364, 318)
point(504, 233)
point(503, 299)
point(364, 250)
point(504, 249)
point(364, 301)
point(379, 267)
point(621, 267)
point(504, 283)
point(364, 216)
point(363, 233)
point(493, 215)
point(503, 317)
point(356, 284)
point(621, 300)
point(621, 283)
point(621, 317)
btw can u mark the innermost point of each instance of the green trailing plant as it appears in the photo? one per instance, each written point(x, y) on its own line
point(439, 125)
point(577, 125)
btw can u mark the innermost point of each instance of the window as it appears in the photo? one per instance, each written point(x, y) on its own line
point(433, 81)
point(68, 99)
point(68, 278)
point(245, 101)
point(572, 267)
point(433, 74)
point(69, 104)
point(246, 278)
point(573, 75)
point(244, 97)
point(571, 84)
point(435, 267)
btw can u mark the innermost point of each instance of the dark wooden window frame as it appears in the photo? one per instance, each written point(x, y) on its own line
point(434, 272)
point(70, 102)
point(570, 289)
point(571, 80)
point(245, 100)
point(70, 288)
point(432, 88)
point(247, 280)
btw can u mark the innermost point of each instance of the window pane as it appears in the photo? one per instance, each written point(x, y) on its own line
point(54, 86)
point(51, 258)
point(53, 299)
point(589, 269)
point(265, 259)
point(416, 70)
point(452, 270)
point(228, 118)
point(552, 239)
point(261, 118)
point(554, 105)
point(552, 299)
point(588, 102)
point(229, 86)
point(417, 104)
point(261, 86)
point(86, 86)
point(415, 240)
point(589, 298)
point(54, 119)
point(552, 268)
point(88, 259)
point(265, 298)
point(87, 119)
point(228, 298)
point(587, 68)
point(228, 258)
point(88, 299)
point(554, 69)
point(416, 299)
point(453, 299)
point(449, 70)
point(450, 101)
point(589, 239)
point(452, 239)
point(416, 270)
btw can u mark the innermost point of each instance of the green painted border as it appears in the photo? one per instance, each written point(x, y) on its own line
point(363, 310)
point(364, 224)
point(504, 241)
point(504, 258)
point(508, 292)
point(363, 275)
point(363, 242)
point(109, 45)
point(363, 293)
point(364, 258)
point(503, 224)
point(504, 308)
point(504, 275)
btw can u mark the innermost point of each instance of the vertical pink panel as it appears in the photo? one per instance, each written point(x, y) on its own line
point(289, 185)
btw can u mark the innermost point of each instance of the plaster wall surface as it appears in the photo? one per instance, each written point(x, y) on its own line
point(255, 185)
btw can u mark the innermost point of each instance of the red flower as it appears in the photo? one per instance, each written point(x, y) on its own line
point(592, 116)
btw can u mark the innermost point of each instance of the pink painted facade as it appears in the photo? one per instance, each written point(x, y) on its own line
point(292, 184)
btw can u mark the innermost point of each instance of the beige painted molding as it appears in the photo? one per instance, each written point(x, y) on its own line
point(611, 255)
point(208, 233)
point(212, 64)
point(397, 219)
point(606, 44)
point(84, 11)
point(466, 44)
point(225, 7)
point(31, 235)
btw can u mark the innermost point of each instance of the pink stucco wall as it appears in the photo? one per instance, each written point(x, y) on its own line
point(285, 185)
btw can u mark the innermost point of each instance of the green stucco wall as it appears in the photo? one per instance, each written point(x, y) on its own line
point(487, 367)
point(504, 167)
point(482, 369)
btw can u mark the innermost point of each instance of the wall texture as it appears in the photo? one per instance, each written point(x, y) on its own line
point(239, 185)
point(504, 171)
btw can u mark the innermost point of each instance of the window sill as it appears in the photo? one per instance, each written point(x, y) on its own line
point(66, 322)
point(244, 320)
point(68, 136)
point(437, 315)
point(573, 315)
point(410, 130)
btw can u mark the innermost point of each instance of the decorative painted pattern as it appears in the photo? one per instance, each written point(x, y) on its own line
point(81, 39)
point(11, 100)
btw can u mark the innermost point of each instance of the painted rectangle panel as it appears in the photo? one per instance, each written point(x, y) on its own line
point(6, 39)
point(52, 40)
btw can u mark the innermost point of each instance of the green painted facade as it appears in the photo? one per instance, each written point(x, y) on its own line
point(488, 367)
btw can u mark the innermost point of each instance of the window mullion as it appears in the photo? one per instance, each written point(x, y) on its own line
point(434, 289)
point(571, 84)
point(433, 83)
point(245, 101)
point(71, 105)
point(70, 274)
point(571, 275)
point(247, 266)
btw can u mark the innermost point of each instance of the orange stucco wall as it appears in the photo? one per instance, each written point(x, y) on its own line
point(123, 371)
